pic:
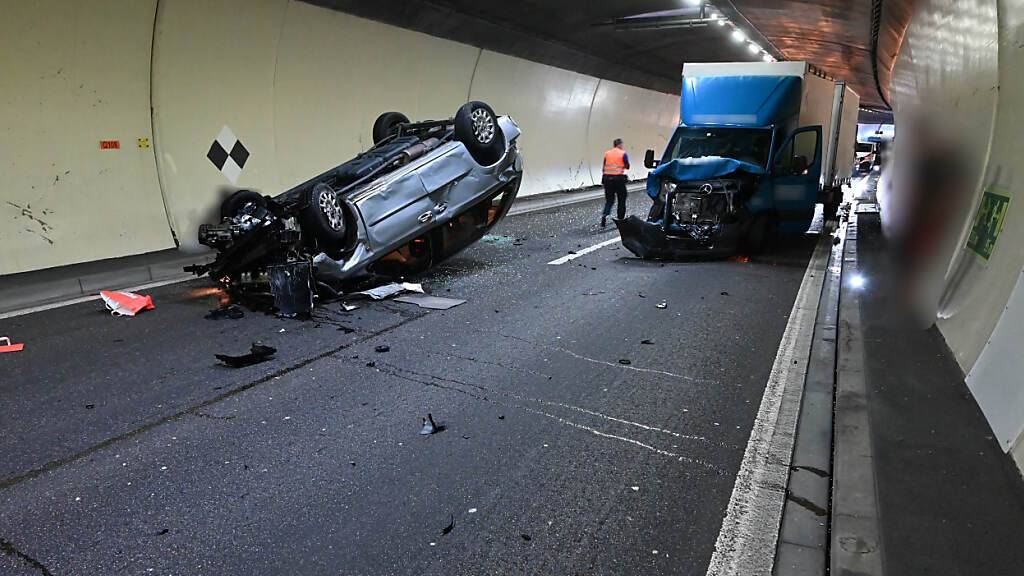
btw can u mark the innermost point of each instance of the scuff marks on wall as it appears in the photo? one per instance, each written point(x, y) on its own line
point(27, 212)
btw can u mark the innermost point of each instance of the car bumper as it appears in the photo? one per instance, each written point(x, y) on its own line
point(649, 240)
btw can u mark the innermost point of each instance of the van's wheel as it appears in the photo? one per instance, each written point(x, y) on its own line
point(387, 125)
point(477, 127)
point(325, 219)
point(232, 205)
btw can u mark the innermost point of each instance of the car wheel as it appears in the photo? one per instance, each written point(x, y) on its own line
point(325, 219)
point(476, 126)
point(387, 125)
point(234, 204)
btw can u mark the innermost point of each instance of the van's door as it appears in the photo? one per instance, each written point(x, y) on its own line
point(796, 174)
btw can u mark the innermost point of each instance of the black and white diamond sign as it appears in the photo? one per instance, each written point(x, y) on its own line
point(228, 154)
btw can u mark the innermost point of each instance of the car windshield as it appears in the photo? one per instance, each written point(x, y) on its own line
point(747, 144)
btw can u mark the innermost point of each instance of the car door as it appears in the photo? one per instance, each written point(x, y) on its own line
point(796, 175)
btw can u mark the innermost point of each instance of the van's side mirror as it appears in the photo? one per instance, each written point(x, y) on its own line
point(649, 160)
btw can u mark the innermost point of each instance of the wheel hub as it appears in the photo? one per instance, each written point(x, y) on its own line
point(331, 208)
point(483, 125)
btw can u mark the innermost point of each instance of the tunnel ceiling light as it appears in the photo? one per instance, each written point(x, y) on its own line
point(738, 35)
point(858, 281)
point(722, 21)
point(754, 48)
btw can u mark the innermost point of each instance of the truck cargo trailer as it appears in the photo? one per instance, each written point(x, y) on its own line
point(759, 145)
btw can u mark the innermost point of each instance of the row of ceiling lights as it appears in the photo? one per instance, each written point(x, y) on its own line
point(737, 34)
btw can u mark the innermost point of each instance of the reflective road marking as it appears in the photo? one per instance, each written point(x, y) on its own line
point(584, 252)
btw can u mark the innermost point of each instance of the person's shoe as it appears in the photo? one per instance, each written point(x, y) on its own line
point(604, 221)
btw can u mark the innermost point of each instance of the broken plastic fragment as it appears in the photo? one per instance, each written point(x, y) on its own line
point(6, 346)
point(450, 526)
point(257, 353)
point(382, 348)
point(625, 361)
point(430, 302)
point(388, 290)
point(429, 426)
point(647, 342)
point(126, 303)
point(348, 307)
point(662, 305)
point(232, 312)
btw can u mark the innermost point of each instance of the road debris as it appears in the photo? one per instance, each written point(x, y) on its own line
point(231, 312)
point(625, 361)
point(430, 427)
point(257, 353)
point(430, 302)
point(724, 293)
point(9, 347)
point(662, 305)
point(389, 290)
point(382, 349)
point(126, 303)
point(291, 284)
point(450, 526)
point(348, 307)
point(526, 537)
point(648, 342)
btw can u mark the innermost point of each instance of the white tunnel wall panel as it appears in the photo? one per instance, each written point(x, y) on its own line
point(73, 74)
point(214, 65)
point(330, 88)
point(552, 107)
point(642, 118)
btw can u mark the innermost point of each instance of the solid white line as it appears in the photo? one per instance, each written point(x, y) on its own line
point(584, 252)
point(81, 299)
point(746, 543)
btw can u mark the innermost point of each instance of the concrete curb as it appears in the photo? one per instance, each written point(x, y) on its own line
point(856, 538)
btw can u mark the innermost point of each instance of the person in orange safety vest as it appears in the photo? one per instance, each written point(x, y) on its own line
point(613, 177)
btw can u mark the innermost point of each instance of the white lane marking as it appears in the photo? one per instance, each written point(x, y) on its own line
point(746, 543)
point(584, 252)
point(79, 300)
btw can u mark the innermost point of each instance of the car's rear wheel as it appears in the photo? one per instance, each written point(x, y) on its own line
point(325, 219)
point(476, 126)
point(235, 203)
point(387, 125)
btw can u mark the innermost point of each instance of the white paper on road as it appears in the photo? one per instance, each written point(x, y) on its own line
point(430, 302)
point(389, 290)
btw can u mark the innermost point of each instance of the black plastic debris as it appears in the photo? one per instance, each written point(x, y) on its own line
point(90, 406)
point(371, 364)
point(382, 349)
point(257, 353)
point(292, 287)
point(625, 361)
point(526, 537)
point(450, 526)
point(430, 427)
point(724, 293)
point(647, 342)
point(232, 312)
point(501, 417)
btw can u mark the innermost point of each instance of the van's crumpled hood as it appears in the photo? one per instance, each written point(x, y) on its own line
point(703, 168)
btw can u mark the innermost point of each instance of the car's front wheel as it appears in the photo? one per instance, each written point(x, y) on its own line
point(325, 219)
point(387, 125)
point(476, 126)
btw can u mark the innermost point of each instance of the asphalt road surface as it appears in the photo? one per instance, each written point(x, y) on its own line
point(587, 431)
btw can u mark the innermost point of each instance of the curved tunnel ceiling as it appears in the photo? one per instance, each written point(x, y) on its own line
point(580, 35)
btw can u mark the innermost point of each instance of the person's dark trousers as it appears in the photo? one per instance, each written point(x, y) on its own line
point(614, 189)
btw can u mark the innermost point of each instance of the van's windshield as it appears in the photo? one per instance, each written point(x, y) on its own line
point(747, 144)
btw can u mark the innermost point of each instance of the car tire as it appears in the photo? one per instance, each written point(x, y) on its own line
point(387, 125)
point(325, 219)
point(476, 126)
point(231, 205)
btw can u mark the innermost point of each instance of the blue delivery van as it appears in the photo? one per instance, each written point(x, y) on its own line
point(758, 146)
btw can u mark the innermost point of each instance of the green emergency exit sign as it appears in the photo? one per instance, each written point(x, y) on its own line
point(988, 223)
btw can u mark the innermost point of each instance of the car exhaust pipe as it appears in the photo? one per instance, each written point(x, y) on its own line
point(413, 152)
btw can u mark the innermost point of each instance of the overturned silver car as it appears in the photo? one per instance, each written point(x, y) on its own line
point(423, 192)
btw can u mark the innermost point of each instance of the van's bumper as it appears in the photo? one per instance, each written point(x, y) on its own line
point(649, 241)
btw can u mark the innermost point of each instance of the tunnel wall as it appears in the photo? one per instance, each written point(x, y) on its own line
point(73, 74)
point(297, 84)
point(962, 94)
